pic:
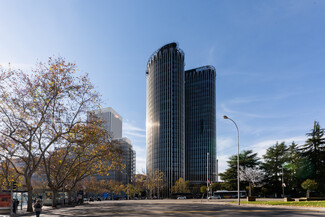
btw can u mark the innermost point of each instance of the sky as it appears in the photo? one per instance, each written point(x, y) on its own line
point(268, 55)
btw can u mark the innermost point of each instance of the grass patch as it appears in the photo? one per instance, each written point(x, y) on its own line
point(292, 203)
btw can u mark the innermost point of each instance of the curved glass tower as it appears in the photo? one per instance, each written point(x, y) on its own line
point(165, 130)
point(200, 122)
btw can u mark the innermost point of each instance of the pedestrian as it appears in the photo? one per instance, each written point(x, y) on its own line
point(38, 208)
point(14, 205)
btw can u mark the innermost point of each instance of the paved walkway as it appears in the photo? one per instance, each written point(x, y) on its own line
point(175, 208)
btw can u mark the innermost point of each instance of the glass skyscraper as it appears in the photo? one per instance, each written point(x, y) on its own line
point(112, 122)
point(165, 130)
point(181, 118)
point(200, 124)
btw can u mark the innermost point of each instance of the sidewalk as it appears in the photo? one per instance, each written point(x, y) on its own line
point(23, 212)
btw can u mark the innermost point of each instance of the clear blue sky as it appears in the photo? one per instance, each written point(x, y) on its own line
point(269, 57)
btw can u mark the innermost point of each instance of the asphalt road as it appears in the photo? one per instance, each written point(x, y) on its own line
point(178, 208)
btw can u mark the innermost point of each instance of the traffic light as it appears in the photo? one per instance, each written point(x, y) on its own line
point(14, 186)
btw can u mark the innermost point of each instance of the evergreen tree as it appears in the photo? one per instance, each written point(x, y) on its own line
point(314, 153)
point(215, 186)
point(274, 160)
point(293, 175)
point(247, 159)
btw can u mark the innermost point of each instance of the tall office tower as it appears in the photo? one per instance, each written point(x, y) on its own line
point(200, 122)
point(112, 120)
point(128, 159)
point(165, 130)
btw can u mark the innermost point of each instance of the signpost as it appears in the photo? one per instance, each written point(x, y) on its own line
point(13, 187)
point(11, 199)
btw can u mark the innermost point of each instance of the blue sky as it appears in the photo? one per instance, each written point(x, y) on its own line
point(269, 58)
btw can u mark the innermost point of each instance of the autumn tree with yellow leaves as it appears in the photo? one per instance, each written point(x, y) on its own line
point(86, 152)
point(94, 186)
point(116, 187)
point(154, 182)
point(7, 175)
point(39, 110)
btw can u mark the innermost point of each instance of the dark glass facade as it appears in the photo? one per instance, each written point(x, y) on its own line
point(200, 124)
point(165, 130)
point(128, 155)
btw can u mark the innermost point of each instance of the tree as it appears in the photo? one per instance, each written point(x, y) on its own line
point(94, 186)
point(252, 175)
point(39, 108)
point(314, 152)
point(84, 153)
point(203, 190)
point(293, 170)
point(116, 187)
point(215, 186)
point(140, 183)
point(131, 190)
point(309, 185)
point(274, 159)
point(154, 182)
point(8, 174)
point(247, 159)
point(181, 186)
point(264, 191)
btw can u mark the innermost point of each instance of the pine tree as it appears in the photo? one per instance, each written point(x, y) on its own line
point(314, 153)
point(274, 160)
point(247, 159)
point(293, 175)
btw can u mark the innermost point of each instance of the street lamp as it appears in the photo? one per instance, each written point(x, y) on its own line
point(207, 175)
point(238, 180)
point(283, 184)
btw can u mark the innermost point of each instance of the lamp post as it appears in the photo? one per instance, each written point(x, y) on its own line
point(238, 179)
point(207, 169)
point(207, 175)
point(283, 185)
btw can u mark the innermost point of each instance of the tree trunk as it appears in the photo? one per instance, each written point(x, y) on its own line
point(30, 193)
point(307, 193)
point(250, 190)
point(53, 198)
point(69, 196)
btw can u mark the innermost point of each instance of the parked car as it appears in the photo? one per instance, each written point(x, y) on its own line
point(181, 197)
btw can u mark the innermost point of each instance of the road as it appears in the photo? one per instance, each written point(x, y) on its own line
point(191, 208)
